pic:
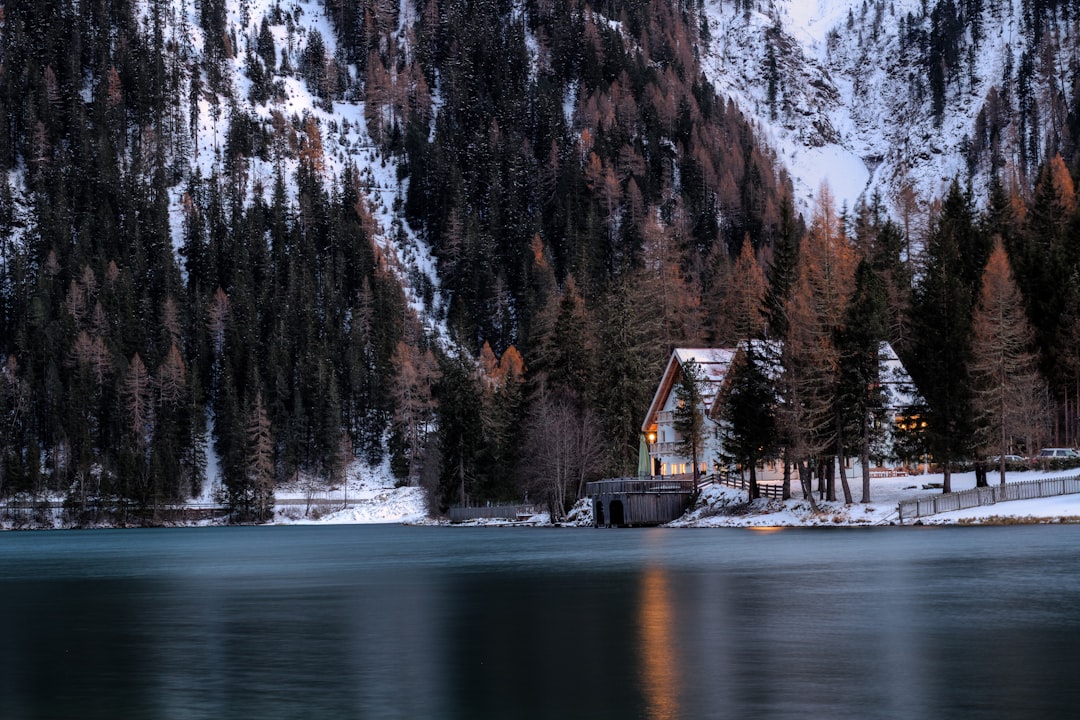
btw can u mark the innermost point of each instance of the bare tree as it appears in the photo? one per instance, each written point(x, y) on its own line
point(562, 449)
point(414, 405)
point(256, 500)
point(136, 397)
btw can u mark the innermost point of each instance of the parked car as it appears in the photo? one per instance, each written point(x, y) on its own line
point(1009, 459)
point(1053, 453)
point(1056, 459)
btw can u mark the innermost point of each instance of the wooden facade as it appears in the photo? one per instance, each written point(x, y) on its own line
point(635, 502)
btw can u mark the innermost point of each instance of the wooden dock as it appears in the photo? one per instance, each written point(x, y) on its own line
point(630, 502)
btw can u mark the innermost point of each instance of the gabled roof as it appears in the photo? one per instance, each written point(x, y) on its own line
point(897, 386)
point(714, 364)
point(899, 390)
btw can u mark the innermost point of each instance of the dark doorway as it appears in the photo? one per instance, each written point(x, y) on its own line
point(617, 517)
point(598, 513)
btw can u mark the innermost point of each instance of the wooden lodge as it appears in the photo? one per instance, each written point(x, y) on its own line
point(665, 486)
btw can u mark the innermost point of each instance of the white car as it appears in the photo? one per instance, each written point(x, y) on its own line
point(1057, 453)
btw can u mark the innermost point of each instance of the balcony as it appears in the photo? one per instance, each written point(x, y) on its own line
point(665, 448)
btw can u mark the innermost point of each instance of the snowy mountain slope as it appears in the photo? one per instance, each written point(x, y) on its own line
point(342, 126)
point(842, 94)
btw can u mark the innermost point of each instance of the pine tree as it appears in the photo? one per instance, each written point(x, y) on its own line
point(941, 331)
point(256, 503)
point(689, 417)
point(627, 329)
point(459, 433)
point(748, 427)
point(1003, 368)
point(135, 394)
point(860, 385)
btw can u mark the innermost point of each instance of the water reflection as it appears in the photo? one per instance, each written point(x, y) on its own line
point(660, 675)
point(449, 623)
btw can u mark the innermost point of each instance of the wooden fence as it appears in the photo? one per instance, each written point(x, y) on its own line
point(765, 489)
point(977, 497)
point(492, 512)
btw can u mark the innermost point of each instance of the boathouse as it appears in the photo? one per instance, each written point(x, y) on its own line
point(640, 502)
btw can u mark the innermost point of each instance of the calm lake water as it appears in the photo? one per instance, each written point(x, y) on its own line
point(421, 622)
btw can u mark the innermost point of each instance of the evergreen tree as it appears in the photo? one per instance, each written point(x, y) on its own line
point(689, 414)
point(748, 428)
point(627, 329)
point(860, 383)
point(941, 332)
point(459, 434)
point(253, 499)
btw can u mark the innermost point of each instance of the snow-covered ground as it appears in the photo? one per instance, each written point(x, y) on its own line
point(372, 498)
point(369, 496)
point(725, 507)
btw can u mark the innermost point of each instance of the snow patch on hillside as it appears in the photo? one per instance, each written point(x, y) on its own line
point(343, 129)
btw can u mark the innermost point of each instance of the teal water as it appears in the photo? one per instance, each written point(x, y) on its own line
point(424, 622)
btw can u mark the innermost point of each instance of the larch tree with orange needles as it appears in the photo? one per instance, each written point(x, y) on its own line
point(1004, 375)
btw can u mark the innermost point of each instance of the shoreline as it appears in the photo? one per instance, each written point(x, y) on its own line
point(717, 506)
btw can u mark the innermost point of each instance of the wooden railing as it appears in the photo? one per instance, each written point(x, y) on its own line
point(765, 489)
point(977, 497)
point(661, 484)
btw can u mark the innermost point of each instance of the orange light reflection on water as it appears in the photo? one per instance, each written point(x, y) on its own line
point(659, 664)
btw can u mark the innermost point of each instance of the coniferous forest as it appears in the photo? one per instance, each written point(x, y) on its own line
point(202, 278)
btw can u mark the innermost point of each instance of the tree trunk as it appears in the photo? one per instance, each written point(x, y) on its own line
point(461, 472)
point(841, 459)
point(830, 480)
point(694, 459)
point(946, 485)
point(1004, 443)
point(787, 476)
point(755, 492)
point(806, 481)
point(864, 460)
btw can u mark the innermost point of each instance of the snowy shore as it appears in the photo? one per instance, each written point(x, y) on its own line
point(371, 497)
point(379, 502)
point(724, 507)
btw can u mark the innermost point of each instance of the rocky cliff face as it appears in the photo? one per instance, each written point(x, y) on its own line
point(894, 96)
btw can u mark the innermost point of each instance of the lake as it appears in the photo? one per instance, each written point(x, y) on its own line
point(436, 622)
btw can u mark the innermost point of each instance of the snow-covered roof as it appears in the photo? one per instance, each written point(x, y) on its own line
point(713, 363)
point(899, 389)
